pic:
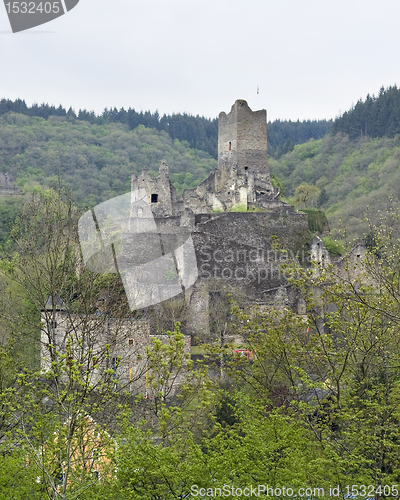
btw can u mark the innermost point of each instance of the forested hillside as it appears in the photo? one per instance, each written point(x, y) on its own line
point(201, 133)
point(351, 174)
point(284, 135)
point(96, 161)
point(355, 165)
point(374, 117)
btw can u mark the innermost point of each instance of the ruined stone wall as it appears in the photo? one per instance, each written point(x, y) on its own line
point(234, 248)
point(319, 253)
point(252, 139)
point(6, 186)
point(160, 191)
point(237, 249)
point(127, 339)
point(227, 138)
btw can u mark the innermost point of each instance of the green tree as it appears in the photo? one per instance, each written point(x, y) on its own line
point(306, 195)
point(49, 408)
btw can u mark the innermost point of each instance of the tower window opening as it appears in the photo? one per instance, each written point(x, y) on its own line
point(154, 198)
point(230, 146)
point(246, 168)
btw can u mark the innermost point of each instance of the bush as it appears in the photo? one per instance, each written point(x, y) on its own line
point(333, 246)
point(317, 221)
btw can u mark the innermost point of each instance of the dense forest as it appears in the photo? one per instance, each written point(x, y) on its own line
point(375, 117)
point(96, 161)
point(199, 132)
point(284, 135)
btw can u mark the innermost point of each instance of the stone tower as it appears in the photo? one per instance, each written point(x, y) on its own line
point(242, 157)
point(242, 139)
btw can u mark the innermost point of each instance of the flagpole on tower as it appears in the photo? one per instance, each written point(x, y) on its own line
point(258, 92)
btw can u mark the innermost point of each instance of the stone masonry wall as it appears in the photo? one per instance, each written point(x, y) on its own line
point(127, 339)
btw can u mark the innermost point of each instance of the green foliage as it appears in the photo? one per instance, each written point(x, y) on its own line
point(334, 247)
point(10, 209)
point(374, 117)
point(305, 195)
point(238, 208)
point(335, 375)
point(351, 176)
point(284, 135)
point(315, 405)
point(200, 132)
point(17, 479)
point(97, 160)
point(277, 183)
point(317, 221)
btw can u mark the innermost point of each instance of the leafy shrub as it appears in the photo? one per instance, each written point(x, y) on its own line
point(317, 221)
point(334, 247)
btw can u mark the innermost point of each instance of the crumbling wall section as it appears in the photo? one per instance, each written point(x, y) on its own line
point(237, 249)
point(160, 191)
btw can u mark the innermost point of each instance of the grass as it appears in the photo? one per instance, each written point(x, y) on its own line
point(238, 208)
point(198, 349)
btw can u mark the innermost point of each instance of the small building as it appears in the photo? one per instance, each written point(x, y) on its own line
point(99, 344)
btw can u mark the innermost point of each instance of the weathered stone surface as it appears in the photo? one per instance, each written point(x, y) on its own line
point(233, 248)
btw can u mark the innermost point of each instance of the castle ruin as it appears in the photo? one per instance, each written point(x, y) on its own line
point(234, 220)
point(241, 179)
point(234, 217)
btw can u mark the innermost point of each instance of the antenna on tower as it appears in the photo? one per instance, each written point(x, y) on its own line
point(258, 92)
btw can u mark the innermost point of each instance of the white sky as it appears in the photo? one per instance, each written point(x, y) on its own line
point(310, 58)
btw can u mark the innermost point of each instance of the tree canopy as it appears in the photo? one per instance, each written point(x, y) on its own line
point(376, 116)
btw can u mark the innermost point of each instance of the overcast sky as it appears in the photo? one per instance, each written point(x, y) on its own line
point(310, 58)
